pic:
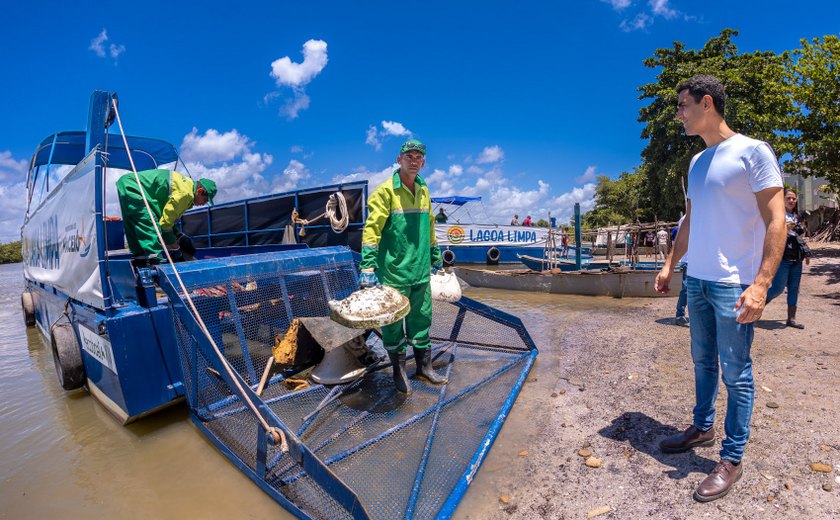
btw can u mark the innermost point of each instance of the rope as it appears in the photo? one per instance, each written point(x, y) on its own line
point(336, 201)
point(277, 434)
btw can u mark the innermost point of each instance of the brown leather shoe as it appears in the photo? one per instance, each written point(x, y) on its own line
point(690, 438)
point(719, 481)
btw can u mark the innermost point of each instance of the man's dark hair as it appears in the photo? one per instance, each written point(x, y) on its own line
point(699, 86)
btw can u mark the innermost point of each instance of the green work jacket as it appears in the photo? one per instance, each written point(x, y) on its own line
point(399, 237)
point(169, 193)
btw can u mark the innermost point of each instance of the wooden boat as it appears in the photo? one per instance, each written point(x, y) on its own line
point(618, 283)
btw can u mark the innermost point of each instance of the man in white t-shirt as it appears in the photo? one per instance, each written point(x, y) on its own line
point(733, 185)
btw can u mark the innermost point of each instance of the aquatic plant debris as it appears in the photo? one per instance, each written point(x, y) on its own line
point(369, 308)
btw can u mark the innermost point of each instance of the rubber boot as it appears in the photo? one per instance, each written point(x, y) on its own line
point(398, 366)
point(791, 321)
point(423, 358)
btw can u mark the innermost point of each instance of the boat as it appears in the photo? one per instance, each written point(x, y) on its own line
point(466, 242)
point(203, 332)
point(617, 283)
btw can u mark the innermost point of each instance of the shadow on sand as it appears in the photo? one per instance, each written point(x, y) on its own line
point(644, 434)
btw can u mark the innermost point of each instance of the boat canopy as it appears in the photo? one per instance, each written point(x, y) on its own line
point(70, 148)
point(454, 200)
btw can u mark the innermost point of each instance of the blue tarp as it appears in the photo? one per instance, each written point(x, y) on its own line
point(70, 149)
point(454, 200)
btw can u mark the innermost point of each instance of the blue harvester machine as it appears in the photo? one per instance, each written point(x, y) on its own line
point(140, 339)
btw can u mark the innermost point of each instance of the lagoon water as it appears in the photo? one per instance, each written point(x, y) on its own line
point(63, 456)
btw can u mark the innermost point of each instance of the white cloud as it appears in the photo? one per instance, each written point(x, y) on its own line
point(374, 178)
point(491, 154)
point(287, 73)
point(294, 106)
point(588, 176)
point(291, 74)
point(213, 146)
point(394, 128)
point(618, 5)
point(296, 149)
point(640, 22)
point(12, 210)
point(375, 136)
point(661, 8)
point(228, 158)
point(10, 168)
point(291, 177)
point(372, 138)
point(97, 45)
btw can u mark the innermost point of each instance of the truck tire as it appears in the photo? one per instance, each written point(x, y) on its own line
point(448, 257)
point(27, 305)
point(67, 357)
point(493, 255)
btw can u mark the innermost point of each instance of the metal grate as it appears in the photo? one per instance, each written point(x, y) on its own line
point(370, 452)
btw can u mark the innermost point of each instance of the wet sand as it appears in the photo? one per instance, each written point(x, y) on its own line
point(617, 378)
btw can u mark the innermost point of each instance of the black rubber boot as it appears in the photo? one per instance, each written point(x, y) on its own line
point(398, 366)
point(423, 358)
point(791, 321)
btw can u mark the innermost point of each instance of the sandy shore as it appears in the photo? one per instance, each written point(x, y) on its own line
point(617, 381)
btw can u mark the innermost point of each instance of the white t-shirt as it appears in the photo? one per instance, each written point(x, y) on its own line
point(726, 241)
point(662, 237)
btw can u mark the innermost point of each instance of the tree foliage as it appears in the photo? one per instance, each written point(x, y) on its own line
point(10, 253)
point(790, 99)
point(814, 76)
point(616, 201)
point(758, 105)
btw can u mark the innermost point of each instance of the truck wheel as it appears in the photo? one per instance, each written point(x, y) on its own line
point(28, 307)
point(67, 357)
point(448, 257)
point(493, 255)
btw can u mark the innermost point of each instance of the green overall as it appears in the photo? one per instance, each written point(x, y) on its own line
point(169, 193)
point(399, 243)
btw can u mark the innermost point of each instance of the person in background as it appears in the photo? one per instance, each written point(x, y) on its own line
point(527, 221)
point(680, 318)
point(441, 217)
point(662, 243)
point(564, 242)
point(400, 249)
point(790, 269)
point(169, 194)
point(734, 185)
point(515, 220)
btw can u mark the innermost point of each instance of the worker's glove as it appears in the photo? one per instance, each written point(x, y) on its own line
point(437, 267)
point(368, 279)
point(186, 244)
point(176, 255)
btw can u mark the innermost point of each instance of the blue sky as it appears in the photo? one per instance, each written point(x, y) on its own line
point(522, 103)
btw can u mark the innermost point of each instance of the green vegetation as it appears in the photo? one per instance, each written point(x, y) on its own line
point(791, 100)
point(10, 253)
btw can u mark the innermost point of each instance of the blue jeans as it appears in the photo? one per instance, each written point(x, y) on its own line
point(788, 276)
point(683, 297)
point(716, 335)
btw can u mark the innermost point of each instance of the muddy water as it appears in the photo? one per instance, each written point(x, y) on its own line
point(62, 455)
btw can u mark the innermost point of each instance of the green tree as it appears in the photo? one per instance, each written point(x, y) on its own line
point(758, 105)
point(814, 76)
point(10, 253)
point(616, 201)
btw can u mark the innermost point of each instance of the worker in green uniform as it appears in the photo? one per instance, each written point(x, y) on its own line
point(399, 249)
point(170, 194)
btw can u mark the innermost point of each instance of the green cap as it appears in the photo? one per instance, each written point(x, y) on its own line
point(413, 144)
point(210, 187)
